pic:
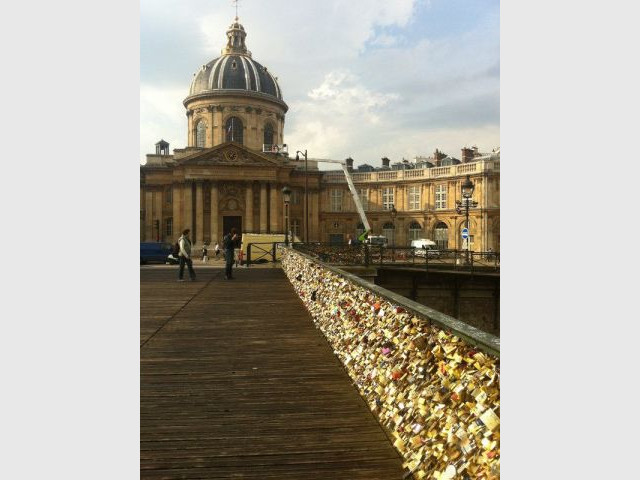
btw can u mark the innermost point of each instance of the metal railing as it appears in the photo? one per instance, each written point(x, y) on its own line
point(378, 255)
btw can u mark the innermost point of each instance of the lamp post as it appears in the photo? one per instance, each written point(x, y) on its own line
point(306, 195)
point(467, 188)
point(286, 193)
point(394, 212)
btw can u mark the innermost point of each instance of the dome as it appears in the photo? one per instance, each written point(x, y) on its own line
point(235, 72)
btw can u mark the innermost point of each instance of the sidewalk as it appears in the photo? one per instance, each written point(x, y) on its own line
point(236, 382)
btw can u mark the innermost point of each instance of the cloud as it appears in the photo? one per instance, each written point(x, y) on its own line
point(362, 79)
point(162, 116)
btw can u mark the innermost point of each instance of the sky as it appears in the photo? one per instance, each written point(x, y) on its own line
point(366, 79)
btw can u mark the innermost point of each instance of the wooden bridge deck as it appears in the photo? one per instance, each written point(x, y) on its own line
point(237, 383)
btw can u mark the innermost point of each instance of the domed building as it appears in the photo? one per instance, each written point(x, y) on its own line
point(223, 179)
point(235, 112)
point(233, 98)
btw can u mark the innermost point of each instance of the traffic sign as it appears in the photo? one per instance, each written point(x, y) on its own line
point(465, 233)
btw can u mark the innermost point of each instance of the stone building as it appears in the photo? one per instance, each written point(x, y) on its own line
point(423, 194)
point(222, 178)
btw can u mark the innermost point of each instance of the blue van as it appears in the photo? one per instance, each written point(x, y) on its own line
point(156, 252)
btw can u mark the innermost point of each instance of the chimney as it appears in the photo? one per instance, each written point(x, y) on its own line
point(349, 164)
point(438, 155)
point(385, 162)
point(467, 155)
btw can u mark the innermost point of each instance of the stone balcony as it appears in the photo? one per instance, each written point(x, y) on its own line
point(413, 174)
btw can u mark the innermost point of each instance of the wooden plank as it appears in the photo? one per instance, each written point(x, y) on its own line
point(236, 382)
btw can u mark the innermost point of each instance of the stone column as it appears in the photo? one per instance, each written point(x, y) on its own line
point(190, 135)
point(157, 215)
point(373, 195)
point(148, 215)
point(211, 109)
point(263, 207)
point(248, 210)
point(314, 216)
point(274, 211)
point(215, 233)
point(188, 206)
point(177, 216)
point(280, 216)
point(199, 214)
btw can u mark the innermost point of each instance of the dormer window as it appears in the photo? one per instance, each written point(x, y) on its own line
point(234, 65)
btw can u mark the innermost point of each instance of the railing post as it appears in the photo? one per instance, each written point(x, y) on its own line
point(366, 254)
point(273, 252)
point(248, 255)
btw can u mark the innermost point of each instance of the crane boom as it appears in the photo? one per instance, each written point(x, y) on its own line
point(354, 192)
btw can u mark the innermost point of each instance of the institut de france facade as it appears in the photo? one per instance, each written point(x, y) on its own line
point(222, 179)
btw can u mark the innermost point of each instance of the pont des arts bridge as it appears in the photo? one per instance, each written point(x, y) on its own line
point(302, 370)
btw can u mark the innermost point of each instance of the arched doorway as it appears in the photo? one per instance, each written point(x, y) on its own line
point(441, 235)
point(388, 230)
point(415, 231)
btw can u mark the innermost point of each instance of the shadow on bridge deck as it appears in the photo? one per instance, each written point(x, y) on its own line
point(237, 383)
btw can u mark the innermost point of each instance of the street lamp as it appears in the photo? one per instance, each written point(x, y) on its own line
point(286, 193)
point(394, 212)
point(306, 195)
point(467, 192)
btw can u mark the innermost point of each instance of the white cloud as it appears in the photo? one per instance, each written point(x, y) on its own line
point(162, 115)
point(363, 79)
point(385, 40)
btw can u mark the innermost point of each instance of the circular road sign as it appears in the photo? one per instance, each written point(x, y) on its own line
point(465, 233)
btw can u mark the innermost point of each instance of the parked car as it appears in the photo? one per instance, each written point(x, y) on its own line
point(425, 247)
point(156, 252)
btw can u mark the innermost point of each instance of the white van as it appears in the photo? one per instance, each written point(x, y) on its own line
point(424, 246)
point(377, 240)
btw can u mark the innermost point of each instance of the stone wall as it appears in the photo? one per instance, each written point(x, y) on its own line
point(432, 381)
point(473, 299)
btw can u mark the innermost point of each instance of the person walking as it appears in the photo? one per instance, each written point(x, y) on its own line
point(217, 249)
point(228, 244)
point(185, 256)
point(205, 257)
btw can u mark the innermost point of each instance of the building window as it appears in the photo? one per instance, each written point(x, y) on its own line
point(168, 227)
point(415, 231)
point(295, 230)
point(168, 195)
point(387, 198)
point(388, 230)
point(441, 196)
point(201, 133)
point(414, 198)
point(233, 130)
point(441, 236)
point(295, 196)
point(268, 134)
point(336, 200)
point(363, 194)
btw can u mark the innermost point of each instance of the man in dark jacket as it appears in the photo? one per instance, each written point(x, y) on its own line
point(185, 256)
point(228, 245)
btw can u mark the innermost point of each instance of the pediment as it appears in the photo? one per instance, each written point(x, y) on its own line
point(229, 154)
